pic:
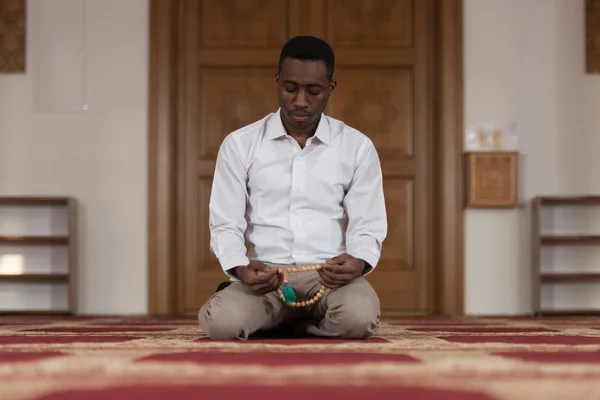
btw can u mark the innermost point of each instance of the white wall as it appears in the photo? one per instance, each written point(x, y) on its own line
point(524, 63)
point(99, 155)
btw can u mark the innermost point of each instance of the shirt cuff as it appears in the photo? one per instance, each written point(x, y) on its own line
point(228, 263)
point(368, 257)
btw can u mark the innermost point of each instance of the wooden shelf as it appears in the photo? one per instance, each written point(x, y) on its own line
point(34, 312)
point(539, 240)
point(570, 239)
point(566, 277)
point(34, 240)
point(568, 200)
point(34, 201)
point(35, 277)
point(69, 240)
point(569, 312)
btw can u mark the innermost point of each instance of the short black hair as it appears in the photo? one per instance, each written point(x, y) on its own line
point(309, 48)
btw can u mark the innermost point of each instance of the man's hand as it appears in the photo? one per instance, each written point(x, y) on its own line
point(341, 270)
point(260, 278)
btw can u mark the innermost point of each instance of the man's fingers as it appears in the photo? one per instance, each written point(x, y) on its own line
point(337, 278)
point(250, 273)
point(258, 266)
point(324, 274)
point(261, 278)
point(331, 279)
point(339, 268)
point(339, 259)
point(325, 281)
point(274, 281)
point(267, 277)
point(344, 278)
point(262, 288)
point(334, 261)
point(328, 274)
point(269, 285)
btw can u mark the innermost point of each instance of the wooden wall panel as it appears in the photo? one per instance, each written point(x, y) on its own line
point(232, 98)
point(382, 23)
point(592, 35)
point(13, 26)
point(383, 83)
point(377, 101)
point(399, 255)
point(243, 23)
point(227, 81)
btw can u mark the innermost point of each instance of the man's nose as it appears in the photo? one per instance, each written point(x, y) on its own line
point(301, 100)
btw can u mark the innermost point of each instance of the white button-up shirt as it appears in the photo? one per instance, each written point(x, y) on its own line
point(291, 203)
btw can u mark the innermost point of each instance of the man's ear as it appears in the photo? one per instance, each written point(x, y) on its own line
point(332, 86)
point(277, 79)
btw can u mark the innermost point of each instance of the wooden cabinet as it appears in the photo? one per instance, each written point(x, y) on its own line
point(37, 255)
point(491, 180)
point(566, 255)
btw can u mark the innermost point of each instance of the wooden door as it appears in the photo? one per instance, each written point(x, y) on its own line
point(228, 60)
point(383, 91)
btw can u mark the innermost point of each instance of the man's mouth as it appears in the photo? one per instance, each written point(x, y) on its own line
point(300, 117)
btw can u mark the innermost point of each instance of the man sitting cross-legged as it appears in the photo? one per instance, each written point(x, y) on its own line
point(287, 183)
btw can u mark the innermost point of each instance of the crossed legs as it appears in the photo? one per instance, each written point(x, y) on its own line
point(236, 312)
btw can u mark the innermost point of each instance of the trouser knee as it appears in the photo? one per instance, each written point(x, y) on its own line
point(351, 321)
point(220, 324)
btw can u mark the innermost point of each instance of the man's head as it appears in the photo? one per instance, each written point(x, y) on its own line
point(304, 81)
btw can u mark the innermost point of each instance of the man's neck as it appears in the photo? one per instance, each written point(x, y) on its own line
point(301, 136)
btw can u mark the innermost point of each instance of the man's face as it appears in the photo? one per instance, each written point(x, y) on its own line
point(303, 89)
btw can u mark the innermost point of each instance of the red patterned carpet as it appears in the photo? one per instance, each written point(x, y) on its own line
point(437, 359)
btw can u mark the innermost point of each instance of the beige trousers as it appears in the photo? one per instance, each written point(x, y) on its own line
point(349, 312)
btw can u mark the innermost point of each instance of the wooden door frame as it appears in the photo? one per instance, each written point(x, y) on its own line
point(163, 164)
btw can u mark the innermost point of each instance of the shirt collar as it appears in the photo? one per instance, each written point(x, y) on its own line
point(322, 132)
point(275, 128)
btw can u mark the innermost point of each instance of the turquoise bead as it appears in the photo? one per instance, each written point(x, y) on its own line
point(288, 293)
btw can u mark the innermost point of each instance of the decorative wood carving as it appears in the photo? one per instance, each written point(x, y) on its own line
point(492, 179)
point(12, 36)
point(592, 34)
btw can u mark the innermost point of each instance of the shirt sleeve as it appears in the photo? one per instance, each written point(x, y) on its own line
point(365, 207)
point(227, 208)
